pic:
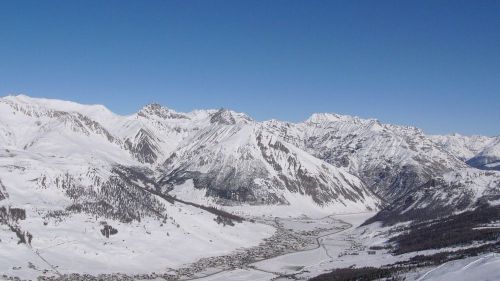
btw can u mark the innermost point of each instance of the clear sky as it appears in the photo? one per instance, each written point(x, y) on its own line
point(432, 64)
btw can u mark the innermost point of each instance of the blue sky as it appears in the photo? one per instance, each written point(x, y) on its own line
point(432, 64)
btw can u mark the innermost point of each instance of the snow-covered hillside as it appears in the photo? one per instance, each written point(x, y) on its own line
point(80, 185)
point(227, 153)
point(391, 160)
point(337, 160)
point(247, 163)
point(484, 267)
point(478, 151)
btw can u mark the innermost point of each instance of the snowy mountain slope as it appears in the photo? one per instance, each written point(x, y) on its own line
point(79, 179)
point(235, 158)
point(389, 159)
point(245, 162)
point(67, 206)
point(454, 192)
point(478, 151)
point(67, 179)
point(464, 147)
point(82, 179)
point(484, 267)
point(488, 158)
point(417, 176)
point(155, 132)
point(145, 136)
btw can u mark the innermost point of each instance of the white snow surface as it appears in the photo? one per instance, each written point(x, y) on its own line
point(485, 268)
point(45, 141)
point(472, 147)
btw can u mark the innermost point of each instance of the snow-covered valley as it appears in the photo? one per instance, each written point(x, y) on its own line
point(86, 194)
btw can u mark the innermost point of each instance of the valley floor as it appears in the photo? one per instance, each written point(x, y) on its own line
point(332, 239)
point(294, 239)
point(346, 246)
point(301, 247)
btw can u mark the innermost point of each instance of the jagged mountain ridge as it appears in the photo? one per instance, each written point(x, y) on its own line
point(71, 172)
point(333, 159)
point(156, 136)
point(245, 162)
point(389, 159)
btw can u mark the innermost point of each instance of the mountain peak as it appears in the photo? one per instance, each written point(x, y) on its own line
point(327, 117)
point(228, 117)
point(155, 109)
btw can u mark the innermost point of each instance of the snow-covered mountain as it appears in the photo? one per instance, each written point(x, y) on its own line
point(224, 152)
point(245, 162)
point(334, 159)
point(478, 151)
point(399, 163)
point(68, 169)
point(389, 159)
